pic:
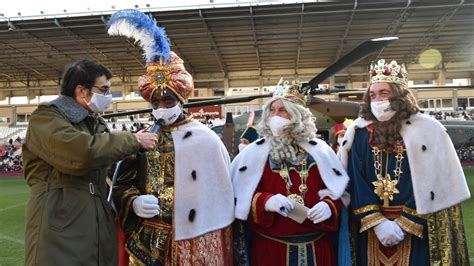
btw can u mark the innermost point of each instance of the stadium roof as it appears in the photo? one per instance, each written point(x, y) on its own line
point(245, 42)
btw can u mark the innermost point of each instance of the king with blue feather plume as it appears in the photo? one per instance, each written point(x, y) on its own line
point(175, 202)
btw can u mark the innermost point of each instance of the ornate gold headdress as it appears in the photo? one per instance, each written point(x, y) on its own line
point(164, 69)
point(290, 92)
point(391, 73)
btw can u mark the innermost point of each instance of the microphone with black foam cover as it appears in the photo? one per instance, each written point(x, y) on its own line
point(157, 126)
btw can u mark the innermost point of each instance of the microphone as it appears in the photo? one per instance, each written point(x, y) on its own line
point(157, 126)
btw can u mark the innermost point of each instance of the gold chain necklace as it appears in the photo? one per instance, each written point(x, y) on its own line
point(385, 187)
point(303, 188)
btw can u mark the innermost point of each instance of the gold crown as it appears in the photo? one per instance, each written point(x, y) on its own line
point(390, 73)
point(290, 92)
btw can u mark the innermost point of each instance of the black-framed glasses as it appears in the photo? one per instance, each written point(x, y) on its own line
point(105, 90)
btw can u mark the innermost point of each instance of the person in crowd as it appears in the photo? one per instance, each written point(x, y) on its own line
point(338, 133)
point(66, 153)
point(250, 133)
point(406, 181)
point(286, 172)
point(176, 202)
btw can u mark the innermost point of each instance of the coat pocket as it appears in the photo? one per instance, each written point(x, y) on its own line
point(68, 208)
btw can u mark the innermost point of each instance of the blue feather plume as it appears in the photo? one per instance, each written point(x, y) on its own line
point(135, 24)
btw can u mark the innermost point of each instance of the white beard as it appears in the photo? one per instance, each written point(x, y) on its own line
point(281, 149)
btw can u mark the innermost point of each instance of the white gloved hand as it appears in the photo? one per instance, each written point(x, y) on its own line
point(279, 204)
point(319, 213)
point(399, 231)
point(146, 206)
point(389, 233)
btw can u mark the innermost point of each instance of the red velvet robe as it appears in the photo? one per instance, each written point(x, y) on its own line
point(269, 252)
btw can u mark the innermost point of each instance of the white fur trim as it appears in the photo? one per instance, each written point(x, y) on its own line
point(211, 194)
point(254, 158)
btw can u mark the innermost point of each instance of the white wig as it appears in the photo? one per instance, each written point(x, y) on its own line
point(301, 128)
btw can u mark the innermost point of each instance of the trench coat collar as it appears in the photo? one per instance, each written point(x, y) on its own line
point(72, 110)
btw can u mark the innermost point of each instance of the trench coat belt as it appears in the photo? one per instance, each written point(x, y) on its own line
point(76, 182)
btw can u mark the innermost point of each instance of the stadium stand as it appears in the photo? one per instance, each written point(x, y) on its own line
point(11, 163)
point(11, 139)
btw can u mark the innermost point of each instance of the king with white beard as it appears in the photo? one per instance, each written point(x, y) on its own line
point(286, 167)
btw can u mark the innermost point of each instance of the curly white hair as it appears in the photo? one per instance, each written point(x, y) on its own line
point(301, 128)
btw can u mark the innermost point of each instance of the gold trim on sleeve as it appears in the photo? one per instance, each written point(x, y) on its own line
point(410, 226)
point(333, 208)
point(371, 220)
point(413, 212)
point(254, 207)
point(366, 209)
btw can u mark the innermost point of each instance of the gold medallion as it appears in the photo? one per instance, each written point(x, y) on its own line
point(303, 188)
point(296, 198)
point(385, 188)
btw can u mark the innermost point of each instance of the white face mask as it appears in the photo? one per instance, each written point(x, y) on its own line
point(99, 102)
point(277, 124)
point(169, 115)
point(382, 110)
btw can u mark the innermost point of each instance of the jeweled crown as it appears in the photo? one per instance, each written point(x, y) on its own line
point(290, 91)
point(391, 73)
